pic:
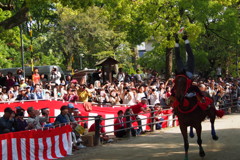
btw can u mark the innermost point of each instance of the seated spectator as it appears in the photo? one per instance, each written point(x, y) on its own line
point(29, 94)
point(38, 92)
point(15, 89)
point(134, 131)
point(71, 95)
point(11, 95)
point(22, 83)
point(140, 107)
point(103, 136)
point(4, 95)
point(63, 116)
point(119, 124)
point(7, 121)
point(45, 112)
point(34, 120)
point(158, 116)
point(77, 114)
point(20, 123)
point(70, 112)
point(22, 95)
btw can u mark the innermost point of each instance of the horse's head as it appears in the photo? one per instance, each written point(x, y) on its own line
point(180, 87)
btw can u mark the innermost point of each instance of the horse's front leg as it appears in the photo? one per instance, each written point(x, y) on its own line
point(199, 140)
point(183, 129)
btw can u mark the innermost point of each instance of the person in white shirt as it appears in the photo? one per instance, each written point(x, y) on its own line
point(120, 75)
point(153, 96)
point(128, 97)
point(55, 76)
point(140, 94)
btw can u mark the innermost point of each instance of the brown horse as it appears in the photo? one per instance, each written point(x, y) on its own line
point(190, 114)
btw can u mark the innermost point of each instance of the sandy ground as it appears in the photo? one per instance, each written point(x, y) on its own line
point(167, 144)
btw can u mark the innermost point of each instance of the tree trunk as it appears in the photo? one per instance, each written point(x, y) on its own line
point(169, 57)
point(20, 17)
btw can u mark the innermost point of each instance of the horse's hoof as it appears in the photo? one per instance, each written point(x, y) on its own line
point(191, 135)
point(202, 154)
point(215, 137)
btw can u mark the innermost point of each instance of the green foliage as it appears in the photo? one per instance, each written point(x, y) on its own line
point(64, 29)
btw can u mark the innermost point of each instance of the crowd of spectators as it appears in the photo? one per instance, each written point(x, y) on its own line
point(125, 89)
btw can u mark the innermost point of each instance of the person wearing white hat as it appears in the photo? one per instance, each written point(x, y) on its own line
point(140, 107)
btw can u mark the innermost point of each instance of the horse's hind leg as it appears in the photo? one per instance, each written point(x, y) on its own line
point(199, 140)
point(191, 134)
point(212, 116)
point(183, 129)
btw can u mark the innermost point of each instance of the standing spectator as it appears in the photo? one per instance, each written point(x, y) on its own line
point(55, 76)
point(96, 75)
point(10, 80)
point(83, 93)
point(2, 79)
point(219, 71)
point(120, 75)
point(34, 119)
point(19, 75)
point(119, 124)
point(7, 121)
point(36, 76)
point(68, 80)
point(43, 80)
point(138, 76)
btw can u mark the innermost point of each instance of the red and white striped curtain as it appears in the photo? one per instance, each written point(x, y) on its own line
point(36, 144)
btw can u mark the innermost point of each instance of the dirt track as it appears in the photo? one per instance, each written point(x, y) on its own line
point(168, 145)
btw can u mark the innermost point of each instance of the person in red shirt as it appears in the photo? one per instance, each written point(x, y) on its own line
point(140, 107)
point(118, 124)
point(103, 136)
point(36, 77)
